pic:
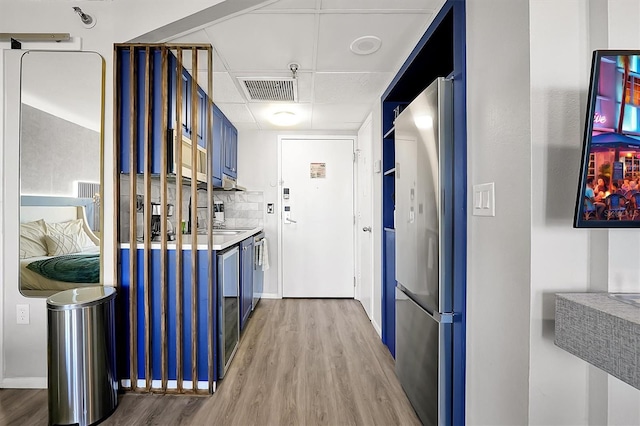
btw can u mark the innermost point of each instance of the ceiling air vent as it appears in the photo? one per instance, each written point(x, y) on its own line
point(267, 89)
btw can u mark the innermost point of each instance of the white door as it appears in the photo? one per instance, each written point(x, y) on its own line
point(317, 218)
point(364, 203)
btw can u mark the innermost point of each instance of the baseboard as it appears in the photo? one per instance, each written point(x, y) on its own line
point(377, 327)
point(24, 383)
point(270, 296)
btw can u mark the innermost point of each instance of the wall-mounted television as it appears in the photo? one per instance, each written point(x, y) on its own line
point(609, 186)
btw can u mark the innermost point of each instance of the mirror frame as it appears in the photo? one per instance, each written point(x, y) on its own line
point(29, 199)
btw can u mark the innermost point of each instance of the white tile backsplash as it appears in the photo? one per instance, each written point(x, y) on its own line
point(242, 209)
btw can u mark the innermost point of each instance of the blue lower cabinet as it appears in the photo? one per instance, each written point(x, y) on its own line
point(246, 280)
point(389, 292)
point(205, 296)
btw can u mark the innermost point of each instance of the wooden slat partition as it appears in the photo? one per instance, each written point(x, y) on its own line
point(194, 229)
point(164, 202)
point(133, 267)
point(147, 218)
point(179, 283)
point(211, 279)
point(154, 272)
point(117, 147)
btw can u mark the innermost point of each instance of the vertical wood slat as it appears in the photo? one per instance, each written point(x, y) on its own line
point(147, 221)
point(133, 166)
point(178, 159)
point(194, 241)
point(117, 147)
point(163, 231)
point(210, 280)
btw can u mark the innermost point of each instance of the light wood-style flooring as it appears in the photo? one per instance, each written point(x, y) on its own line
point(300, 362)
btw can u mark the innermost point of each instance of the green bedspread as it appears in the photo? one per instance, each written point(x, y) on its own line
point(71, 268)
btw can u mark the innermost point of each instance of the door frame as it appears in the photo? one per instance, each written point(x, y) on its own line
point(281, 138)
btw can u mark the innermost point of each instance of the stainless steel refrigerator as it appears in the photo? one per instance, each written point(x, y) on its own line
point(423, 223)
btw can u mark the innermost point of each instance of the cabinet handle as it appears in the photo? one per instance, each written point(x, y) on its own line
point(367, 229)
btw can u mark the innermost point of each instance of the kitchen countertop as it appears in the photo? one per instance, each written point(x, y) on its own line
point(601, 330)
point(220, 242)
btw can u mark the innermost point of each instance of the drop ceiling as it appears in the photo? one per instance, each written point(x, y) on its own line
point(336, 87)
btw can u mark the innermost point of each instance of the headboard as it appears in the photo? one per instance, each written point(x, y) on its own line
point(57, 209)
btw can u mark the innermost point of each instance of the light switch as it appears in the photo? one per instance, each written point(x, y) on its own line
point(484, 197)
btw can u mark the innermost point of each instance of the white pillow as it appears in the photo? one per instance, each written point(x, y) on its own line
point(32, 241)
point(59, 243)
point(71, 227)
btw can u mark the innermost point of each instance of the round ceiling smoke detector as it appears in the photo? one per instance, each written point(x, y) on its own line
point(365, 45)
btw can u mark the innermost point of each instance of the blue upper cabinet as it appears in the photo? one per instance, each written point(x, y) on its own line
point(230, 148)
point(137, 130)
point(218, 136)
point(225, 147)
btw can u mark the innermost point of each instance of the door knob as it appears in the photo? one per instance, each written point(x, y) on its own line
point(367, 229)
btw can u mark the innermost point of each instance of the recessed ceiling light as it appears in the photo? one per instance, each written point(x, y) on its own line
point(284, 118)
point(365, 45)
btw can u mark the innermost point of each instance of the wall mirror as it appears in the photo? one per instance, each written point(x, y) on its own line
point(61, 147)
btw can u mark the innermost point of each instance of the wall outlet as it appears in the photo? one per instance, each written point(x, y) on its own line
point(22, 314)
point(270, 208)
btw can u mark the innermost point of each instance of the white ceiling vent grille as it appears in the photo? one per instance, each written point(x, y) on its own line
point(268, 89)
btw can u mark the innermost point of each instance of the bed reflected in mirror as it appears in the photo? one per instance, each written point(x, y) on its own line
point(61, 122)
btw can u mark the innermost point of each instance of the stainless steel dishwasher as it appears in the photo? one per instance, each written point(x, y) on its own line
point(228, 307)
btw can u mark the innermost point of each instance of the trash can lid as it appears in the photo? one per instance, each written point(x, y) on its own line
point(80, 297)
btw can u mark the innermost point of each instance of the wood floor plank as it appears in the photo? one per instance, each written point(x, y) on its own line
point(300, 362)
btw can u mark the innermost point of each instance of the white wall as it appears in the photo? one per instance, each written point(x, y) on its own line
point(499, 251)
point(526, 118)
point(559, 383)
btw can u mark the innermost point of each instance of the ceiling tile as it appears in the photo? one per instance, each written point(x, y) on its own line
point(350, 87)
point(292, 4)
point(236, 113)
point(399, 34)
point(428, 5)
point(225, 89)
point(247, 126)
point(340, 113)
point(265, 41)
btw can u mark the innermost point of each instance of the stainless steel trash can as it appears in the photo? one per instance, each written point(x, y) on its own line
point(81, 355)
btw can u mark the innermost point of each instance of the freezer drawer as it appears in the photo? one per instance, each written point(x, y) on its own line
point(423, 346)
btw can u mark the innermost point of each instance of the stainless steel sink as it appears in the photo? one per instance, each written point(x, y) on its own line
point(630, 298)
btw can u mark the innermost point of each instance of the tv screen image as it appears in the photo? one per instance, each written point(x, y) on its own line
point(609, 187)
